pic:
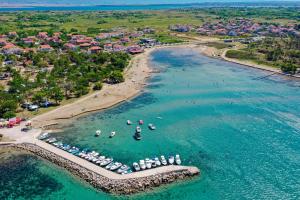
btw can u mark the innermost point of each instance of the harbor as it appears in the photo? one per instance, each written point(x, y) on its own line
point(122, 179)
point(102, 178)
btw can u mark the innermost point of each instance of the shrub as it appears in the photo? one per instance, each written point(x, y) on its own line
point(98, 86)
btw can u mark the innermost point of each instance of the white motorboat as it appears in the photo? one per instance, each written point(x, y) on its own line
point(153, 163)
point(157, 162)
point(112, 134)
point(136, 166)
point(43, 136)
point(52, 140)
point(100, 159)
point(138, 129)
point(116, 166)
point(151, 127)
point(137, 136)
point(141, 122)
point(106, 162)
point(177, 159)
point(142, 164)
point(98, 132)
point(148, 163)
point(163, 160)
point(171, 160)
point(109, 165)
point(122, 169)
point(129, 122)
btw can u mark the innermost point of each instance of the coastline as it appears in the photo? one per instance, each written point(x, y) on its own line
point(103, 179)
point(136, 75)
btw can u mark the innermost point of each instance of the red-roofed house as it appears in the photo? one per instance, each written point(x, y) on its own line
point(42, 35)
point(135, 49)
point(12, 34)
point(45, 48)
point(85, 45)
point(3, 42)
point(94, 49)
point(118, 48)
point(11, 49)
point(70, 46)
point(108, 47)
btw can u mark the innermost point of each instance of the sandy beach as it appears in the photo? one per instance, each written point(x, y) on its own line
point(136, 75)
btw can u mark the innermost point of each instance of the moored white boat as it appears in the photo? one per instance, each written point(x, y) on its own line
point(98, 132)
point(43, 136)
point(163, 160)
point(177, 159)
point(122, 169)
point(157, 162)
point(129, 122)
point(116, 166)
point(136, 166)
point(142, 164)
point(171, 160)
point(138, 129)
point(151, 127)
point(112, 134)
point(109, 165)
point(106, 162)
point(148, 163)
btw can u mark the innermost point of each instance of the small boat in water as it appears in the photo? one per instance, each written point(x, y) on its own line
point(136, 166)
point(151, 127)
point(141, 122)
point(112, 134)
point(142, 164)
point(137, 136)
point(171, 160)
point(52, 140)
point(148, 163)
point(43, 136)
point(109, 165)
point(117, 165)
point(129, 122)
point(177, 160)
point(98, 132)
point(122, 169)
point(163, 160)
point(106, 162)
point(138, 129)
point(153, 164)
point(157, 162)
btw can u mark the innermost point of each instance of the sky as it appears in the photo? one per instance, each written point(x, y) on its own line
point(121, 2)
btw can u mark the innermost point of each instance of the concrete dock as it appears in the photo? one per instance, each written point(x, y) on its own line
point(97, 176)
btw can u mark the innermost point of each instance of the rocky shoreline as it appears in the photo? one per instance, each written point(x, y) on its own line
point(114, 186)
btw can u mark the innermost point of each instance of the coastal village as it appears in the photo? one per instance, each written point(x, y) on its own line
point(50, 73)
point(239, 27)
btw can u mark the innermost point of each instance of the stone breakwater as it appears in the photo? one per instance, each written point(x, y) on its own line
point(124, 185)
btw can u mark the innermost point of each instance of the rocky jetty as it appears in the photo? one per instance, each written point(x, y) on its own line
point(116, 186)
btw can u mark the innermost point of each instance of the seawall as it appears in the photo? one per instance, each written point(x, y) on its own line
point(116, 184)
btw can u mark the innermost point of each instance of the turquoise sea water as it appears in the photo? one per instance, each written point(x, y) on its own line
point(79, 5)
point(243, 132)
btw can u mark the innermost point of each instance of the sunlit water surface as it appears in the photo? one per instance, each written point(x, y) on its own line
point(240, 130)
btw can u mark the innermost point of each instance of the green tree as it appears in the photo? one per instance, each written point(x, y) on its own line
point(98, 86)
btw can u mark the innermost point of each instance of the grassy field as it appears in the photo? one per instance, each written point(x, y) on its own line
point(131, 20)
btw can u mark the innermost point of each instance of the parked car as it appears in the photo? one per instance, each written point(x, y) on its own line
point(33, 107)
point(25, 105)
point(46, 104)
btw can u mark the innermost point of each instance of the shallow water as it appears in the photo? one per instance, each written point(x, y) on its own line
point(241, 131)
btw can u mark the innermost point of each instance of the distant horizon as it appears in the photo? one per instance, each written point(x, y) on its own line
point(132, 2)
